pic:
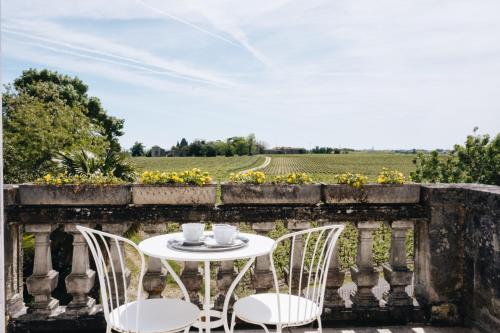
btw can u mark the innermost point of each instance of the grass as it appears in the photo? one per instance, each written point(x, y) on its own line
point(322, 167)
point(219, 167)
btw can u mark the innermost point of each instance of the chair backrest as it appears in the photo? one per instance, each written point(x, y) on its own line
point(109, 256)
point(306, 275)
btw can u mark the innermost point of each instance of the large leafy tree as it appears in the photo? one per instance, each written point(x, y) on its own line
point(477, 161)
point(34, 130)
point(45, 112)
point(49, 86)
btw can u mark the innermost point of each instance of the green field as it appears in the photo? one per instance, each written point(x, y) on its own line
point(321, 167)
point(219, 167)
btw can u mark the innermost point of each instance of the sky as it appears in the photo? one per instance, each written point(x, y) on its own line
point(383, 74)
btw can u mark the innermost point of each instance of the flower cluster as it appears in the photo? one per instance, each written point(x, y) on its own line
point(65, 179)
point(249, 177)
point(387, 176)
point(355, 180)
point(293, 178)
point(189, 177)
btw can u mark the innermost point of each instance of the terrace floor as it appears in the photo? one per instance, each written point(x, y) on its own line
point(381, 329)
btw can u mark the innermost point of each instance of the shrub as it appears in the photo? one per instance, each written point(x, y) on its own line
point(355, 180)
point(189, 177)
point(250, 177)
point(387, 176)
point(293, 178)
point(478, 161)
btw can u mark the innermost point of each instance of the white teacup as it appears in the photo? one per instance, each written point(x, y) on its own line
point(192, 232)
point(224, 234)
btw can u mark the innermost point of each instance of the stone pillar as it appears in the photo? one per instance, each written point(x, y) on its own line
point(334, 281)
point(363, 272)
point(119, 230)
point(298, 252)
point(81, 279)
point(396, 272)
point(155, 278)
point(192, 279)
point(14, 304)
point(262, 275)
point(44, 279)
point(225, 276)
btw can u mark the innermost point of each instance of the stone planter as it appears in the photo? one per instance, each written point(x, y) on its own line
point(270, 194)
point(173, 194)
point(72, 195)
point(372, 193)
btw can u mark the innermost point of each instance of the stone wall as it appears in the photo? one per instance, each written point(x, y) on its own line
point(457, 259)
point(456, 265)
point(482, 258)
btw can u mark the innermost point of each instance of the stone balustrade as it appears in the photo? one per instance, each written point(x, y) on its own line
point(444, 223)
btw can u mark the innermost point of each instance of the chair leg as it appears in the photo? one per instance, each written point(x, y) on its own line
point(320, 326)
point(233, 322)
point(108, 328)
point(186, 330)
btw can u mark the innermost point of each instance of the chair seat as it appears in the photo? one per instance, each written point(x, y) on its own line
point(155, 316)
point(263, 309)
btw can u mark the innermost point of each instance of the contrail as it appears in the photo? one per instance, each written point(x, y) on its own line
point(139, 64)
point(194, 26)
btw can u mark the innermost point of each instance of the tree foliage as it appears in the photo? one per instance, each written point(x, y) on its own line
point(477, 161)
point(137, 149)
point(34, 131)
point(45, 112)
point(49, 86)
point(238, 145)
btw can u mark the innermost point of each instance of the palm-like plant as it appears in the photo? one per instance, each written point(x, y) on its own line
point(86, 163)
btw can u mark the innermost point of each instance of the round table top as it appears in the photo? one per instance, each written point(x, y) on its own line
point(157, 247)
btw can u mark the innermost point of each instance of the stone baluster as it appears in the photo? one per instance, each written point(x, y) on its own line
point(119, 230)
point(225, 276)
point(155, 278)
point(363, 272)
point(298, 252)
point(192, 279)
point(334, 281)
point(44, 279)
point(81, 279)
point(13, 252)
point(262, 275)
point(396, 272)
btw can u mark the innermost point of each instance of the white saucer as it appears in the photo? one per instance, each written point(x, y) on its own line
point(210, 242)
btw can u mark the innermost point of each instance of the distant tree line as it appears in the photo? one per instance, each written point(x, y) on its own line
point(237, 145)
point(330, 150)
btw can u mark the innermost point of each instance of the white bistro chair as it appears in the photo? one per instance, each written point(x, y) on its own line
point(142, 315)
point(300, 302)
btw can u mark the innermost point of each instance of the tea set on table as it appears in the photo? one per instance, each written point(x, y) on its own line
point(194, 238)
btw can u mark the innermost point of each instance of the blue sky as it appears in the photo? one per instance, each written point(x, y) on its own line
point(384, 74)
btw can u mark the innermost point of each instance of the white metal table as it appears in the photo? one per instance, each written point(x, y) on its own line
point(257, 246)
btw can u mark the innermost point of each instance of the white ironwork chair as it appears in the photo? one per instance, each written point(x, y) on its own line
point(302, 301)
point(142, 315)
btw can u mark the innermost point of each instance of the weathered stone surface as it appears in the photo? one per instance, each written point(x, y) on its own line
point(74, 195)
point(439, 255)
point(218, 214)
point(363, 273)
point(371, 193)
point(482, 257)
point(457, 256)
point(173, 194)
point(270, 194)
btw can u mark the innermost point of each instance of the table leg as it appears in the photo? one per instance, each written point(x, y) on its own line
point(230, 292)
point(206, 307)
